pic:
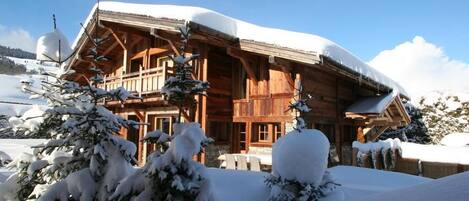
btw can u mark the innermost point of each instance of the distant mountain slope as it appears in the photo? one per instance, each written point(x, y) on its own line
point(9, 67)
point(15, 52)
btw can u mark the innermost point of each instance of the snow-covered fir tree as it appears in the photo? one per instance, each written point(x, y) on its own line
point(299, 106)
point(181, 88)
point(170, 172)
point(84, 159)
point(415, 132)
point(308, 180)
point(445, 113)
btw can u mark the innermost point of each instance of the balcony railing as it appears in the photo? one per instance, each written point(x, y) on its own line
point(140, 83)
point(262, 106)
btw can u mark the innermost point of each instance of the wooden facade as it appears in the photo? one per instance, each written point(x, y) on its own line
point(251, 85)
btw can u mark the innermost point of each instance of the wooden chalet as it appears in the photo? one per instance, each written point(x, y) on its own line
point(252, 84)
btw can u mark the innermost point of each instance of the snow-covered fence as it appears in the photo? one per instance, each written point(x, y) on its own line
point(432, 161)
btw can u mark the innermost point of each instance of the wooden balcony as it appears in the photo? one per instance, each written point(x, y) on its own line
point(264, 108)
point(139, 83)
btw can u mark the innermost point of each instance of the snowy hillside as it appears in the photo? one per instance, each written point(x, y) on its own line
point(34, 65)
point(13, 101)
point(11, 93)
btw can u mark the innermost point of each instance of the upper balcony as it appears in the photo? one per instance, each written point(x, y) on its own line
point(145, 74)
point(140, 83)
point(260, 108)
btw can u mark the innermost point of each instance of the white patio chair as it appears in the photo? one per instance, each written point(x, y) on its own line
point(255, 164)
point(230, 161)
point(242, 163)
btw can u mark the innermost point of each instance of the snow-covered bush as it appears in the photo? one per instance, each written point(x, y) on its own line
point(172, 175)
point(445, 113)
point(53, 47)
point(299, 163)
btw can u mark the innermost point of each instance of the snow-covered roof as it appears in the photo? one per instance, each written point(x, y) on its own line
point(372, 105)
point(247, 31)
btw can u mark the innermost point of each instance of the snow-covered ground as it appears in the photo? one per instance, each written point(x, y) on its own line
point(247, 185)
point(451, 188)
point(357, 182)
point(234, 185)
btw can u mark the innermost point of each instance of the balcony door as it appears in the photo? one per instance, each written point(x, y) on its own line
point(162, 123)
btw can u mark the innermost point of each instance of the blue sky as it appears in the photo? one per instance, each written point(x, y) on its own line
point(365, 27)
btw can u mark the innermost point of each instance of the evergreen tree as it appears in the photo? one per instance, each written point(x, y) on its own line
point(444, 114)
point(170, 173)
point(84, 158)
point(415, 132)
point(181, 88)
point(299, 106)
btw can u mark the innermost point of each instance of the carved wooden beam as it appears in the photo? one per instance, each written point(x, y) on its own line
point(374, 136)
point(139, 115)
point(244, 61)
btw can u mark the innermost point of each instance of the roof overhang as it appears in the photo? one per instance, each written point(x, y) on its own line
point(378, 113)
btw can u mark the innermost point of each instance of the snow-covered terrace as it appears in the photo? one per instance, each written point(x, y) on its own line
point(311, 48)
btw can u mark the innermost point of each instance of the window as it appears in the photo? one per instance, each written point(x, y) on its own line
point(263, 133)
point(160, 123)
point(266, 132)
point(278, 131)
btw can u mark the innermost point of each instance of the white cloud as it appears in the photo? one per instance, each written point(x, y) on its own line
point(17, 38)
point(421, 67)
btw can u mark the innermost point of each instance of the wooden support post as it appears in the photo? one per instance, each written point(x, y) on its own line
point(338, 141)
point(248, 135)
point(360, 135)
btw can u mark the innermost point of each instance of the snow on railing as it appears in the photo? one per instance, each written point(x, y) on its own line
point(381, 152)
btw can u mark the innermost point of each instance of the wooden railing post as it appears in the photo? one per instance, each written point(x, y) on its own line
point(122, 79)
point(141, 81)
